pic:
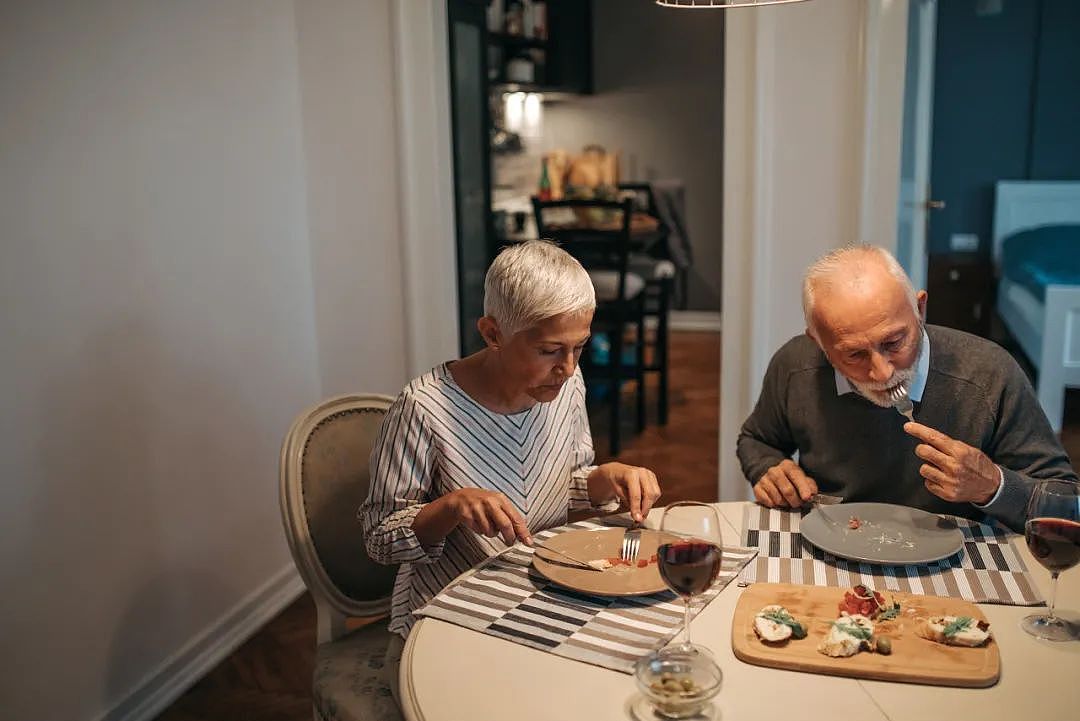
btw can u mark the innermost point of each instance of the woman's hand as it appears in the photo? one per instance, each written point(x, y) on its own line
point(488, 513)
point(636, 486)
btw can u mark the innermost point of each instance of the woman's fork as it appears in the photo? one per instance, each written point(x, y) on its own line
point(902, 402)
point(631, 543)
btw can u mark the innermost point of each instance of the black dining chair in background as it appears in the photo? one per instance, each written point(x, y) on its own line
point(650, 259)
point(597, 233)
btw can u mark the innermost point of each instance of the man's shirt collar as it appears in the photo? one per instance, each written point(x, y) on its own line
point(918, 383)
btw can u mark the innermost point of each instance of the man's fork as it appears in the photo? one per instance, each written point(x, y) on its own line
point(901, 402)
point(631, 542)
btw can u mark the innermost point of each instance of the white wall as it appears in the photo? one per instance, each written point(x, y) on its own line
point(795, 123)
point(347, 89)
point(160, 322)
point(659, 99)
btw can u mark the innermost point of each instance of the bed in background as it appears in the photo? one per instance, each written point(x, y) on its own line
point(1037, 256)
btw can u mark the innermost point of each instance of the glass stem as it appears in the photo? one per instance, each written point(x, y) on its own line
point(686, 622)
point(1050, 618)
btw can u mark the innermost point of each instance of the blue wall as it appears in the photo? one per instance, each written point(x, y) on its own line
point(1055, 152)
point(1006, 107)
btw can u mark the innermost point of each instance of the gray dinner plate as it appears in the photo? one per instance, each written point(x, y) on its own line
point(887, 534)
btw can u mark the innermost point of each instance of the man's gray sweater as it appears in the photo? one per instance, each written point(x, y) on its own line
point(975, 393)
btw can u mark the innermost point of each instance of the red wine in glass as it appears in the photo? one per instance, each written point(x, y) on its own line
point(1052, 532)
point(1054, 542)
point(689, 567)
point(689, 557)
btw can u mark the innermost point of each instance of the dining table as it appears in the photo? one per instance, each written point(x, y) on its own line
point(451, 673)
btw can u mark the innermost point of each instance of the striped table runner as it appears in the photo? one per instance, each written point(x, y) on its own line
point(988, 571)
point(505, 597)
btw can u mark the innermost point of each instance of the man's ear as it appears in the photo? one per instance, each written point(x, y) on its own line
point(489, 331)
point(813, 335)
point(920, 300)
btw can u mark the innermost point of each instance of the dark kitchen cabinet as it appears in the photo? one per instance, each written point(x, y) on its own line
point(563, 59)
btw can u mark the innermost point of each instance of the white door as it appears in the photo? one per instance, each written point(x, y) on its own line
point(915, 201)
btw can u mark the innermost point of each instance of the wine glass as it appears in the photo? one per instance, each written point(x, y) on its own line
point(689, 556)
point(1052, 532)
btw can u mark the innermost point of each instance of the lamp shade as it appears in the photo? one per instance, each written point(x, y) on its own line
point(721, 4)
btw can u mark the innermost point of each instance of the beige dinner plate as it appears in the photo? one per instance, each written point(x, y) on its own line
point(588, 545)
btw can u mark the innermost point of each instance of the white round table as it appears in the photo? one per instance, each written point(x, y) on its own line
point(449, 673)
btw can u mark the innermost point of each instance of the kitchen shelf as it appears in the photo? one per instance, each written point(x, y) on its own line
point(517, 41)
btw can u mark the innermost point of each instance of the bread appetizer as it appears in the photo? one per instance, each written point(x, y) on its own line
point(954, 630)
point(849, 635)
point(775, 624)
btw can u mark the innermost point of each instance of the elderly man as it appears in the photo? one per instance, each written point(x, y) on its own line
point(980, 440)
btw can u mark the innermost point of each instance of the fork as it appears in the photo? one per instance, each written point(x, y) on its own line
point(901, 402)
point(631, 543)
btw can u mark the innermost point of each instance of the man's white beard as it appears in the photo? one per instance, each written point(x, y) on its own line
point(878, 393)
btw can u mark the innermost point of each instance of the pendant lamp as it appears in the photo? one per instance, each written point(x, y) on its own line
point(721, 4)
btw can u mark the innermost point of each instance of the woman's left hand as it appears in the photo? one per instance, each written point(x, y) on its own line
point(636, 486)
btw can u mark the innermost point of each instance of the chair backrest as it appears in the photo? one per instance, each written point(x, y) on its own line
point(596, 232)
point(642, 195)
point(324, 479)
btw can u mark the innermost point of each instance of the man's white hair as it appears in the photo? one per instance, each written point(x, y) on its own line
point(531, 281)
point(847, 265)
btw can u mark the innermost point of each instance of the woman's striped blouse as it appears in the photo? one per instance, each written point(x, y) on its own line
point(435, 439)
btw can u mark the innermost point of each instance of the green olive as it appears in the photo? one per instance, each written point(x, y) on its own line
point(884, 645)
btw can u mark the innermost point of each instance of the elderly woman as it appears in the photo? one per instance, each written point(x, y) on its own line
point(487, 450)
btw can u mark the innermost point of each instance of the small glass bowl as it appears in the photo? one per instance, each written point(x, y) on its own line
point(678, 684)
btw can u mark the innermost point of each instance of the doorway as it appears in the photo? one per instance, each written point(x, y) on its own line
point(576, 84)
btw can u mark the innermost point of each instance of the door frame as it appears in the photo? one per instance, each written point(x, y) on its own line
point(751, 249)
point(426, 183)
point(915, 192)
point(426, 187)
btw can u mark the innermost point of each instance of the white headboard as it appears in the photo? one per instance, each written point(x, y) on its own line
point(1023, 204)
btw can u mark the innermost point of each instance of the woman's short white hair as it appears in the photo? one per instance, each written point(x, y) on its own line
point(534, 280)
point(847, 264)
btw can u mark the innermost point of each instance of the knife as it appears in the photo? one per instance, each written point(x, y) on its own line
point(823, 499)
point(583, 564)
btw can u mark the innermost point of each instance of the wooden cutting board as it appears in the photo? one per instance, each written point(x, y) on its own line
point(913, 659)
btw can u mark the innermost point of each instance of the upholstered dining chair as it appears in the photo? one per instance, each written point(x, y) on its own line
point(324, 479)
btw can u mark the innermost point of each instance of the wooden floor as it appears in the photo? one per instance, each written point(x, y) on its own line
point(684, 453)
point(269, 677)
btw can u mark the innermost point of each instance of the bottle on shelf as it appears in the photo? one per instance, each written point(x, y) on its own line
point(527, 23)
point(515, 18)
point(495, 16)
point(539, 19)
point(544, 192)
